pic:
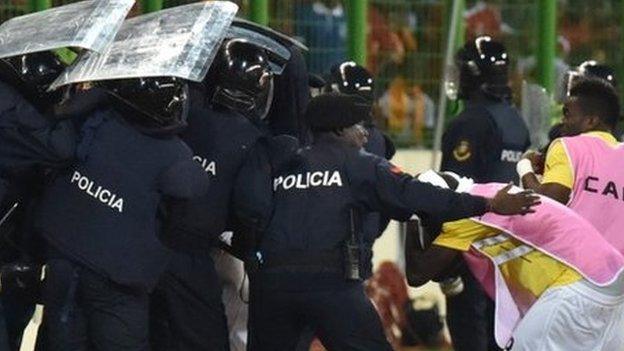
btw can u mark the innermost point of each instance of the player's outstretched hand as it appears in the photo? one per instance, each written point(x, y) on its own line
point(504, 203)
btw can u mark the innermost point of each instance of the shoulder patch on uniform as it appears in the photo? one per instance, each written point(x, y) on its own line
point(462, 151)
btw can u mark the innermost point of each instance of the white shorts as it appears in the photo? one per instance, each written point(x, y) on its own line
point(232, 274)
point(575, 317)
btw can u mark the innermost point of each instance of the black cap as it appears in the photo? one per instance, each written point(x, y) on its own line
point(333, 111)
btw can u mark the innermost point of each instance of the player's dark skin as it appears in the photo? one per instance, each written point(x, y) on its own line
point(574, 122)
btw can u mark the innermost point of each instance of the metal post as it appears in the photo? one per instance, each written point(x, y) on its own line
point(151, 5)
point(357, 27)
point(455, 39)
point(39, 5)
point(259, 11)
point(547, 46)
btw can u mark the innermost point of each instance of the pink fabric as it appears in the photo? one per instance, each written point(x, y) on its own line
point(494, 285)
point(560, 233)
point(553, 229)
point(598, 193)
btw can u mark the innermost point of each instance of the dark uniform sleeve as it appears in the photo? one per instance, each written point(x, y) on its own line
point(184, 179)
point(252, 197)
point(384, 188)
point(30, 139)
point(466, 144)
point(252, 194)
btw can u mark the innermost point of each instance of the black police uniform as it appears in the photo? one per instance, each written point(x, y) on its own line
point(484, 143)
point(188, 299)
point(31, 145)
point(99, 218)
point(290, 98)
point(373, 224)
point(302, 279)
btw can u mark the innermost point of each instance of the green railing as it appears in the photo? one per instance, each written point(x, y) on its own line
point(403, 42)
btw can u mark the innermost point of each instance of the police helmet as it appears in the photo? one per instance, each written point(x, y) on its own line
point(350, 78)
point(161, 102)
point(590, 69)
point(483, 64)
point(594, 69)
point(31, 75)
point(241, 79)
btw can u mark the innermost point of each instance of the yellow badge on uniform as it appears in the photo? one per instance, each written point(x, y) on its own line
point(462, 151)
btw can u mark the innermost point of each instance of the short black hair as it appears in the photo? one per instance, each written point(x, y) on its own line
point(599, 98)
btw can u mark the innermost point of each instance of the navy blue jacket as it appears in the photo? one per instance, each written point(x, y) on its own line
point(29, 139)
point(485, 141)
point(221, 141)
point(313, 198)
point(32, 145)
point(373, 223)
point(102, 212)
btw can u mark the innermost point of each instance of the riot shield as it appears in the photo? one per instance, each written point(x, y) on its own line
point(176, 42)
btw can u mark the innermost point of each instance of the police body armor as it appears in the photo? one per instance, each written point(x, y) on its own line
point(102, 212)
point(220, 140)
point(514, 140)
point(320, 237)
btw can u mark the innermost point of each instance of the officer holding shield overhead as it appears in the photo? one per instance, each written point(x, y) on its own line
point(187, 306)
point(99, 217)
point(33, 143)
point(484, 143)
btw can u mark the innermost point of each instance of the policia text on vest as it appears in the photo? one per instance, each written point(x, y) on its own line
point(105, 196)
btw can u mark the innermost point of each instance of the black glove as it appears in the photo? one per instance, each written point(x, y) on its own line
point(21, 277)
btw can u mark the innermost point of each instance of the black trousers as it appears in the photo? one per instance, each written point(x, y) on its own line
point(186, 308)
point(343, 318)
point(470, 317)
point(85, 311)
point(15, 314)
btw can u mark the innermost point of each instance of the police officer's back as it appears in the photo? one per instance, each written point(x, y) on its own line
point(99, 217)
point(310, 252)
point(484, 143)
point(187, 306)
point(222, 130)
point(32, 144)
point(351, 78)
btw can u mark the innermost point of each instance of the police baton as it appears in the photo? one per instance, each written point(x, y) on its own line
point(8, 214)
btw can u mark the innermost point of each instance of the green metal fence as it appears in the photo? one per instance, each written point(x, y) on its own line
point(10, 9)
point(403, 43)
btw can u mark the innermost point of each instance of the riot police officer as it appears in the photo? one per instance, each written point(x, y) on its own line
point(99, 217)
point(187, 304)
point(484, 143)
point(33, 144)
point(311, 250)
point(351, 78)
